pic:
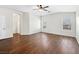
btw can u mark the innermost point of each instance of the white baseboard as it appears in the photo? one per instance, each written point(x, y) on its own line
point(29, 33)
point(60, 34)
point(9, 36)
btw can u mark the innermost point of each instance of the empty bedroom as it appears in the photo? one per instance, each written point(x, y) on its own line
point(39, 29)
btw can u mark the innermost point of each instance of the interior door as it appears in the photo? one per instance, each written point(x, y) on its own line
point(3, 29)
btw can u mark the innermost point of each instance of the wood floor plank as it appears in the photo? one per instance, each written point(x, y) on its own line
point(39, 43)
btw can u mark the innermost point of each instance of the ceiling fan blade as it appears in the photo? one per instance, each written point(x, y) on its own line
point(46, 7)
point(46, 10)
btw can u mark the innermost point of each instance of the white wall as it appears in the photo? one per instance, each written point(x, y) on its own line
point(77, 23)
point(34, 24)
point(25, 24)
point(8, 13)
point(30, 24)
point(77, 26)
point(54, 24)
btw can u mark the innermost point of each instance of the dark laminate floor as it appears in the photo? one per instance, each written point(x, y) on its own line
point(40, 43)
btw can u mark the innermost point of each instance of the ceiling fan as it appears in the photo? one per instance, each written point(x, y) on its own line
point(42, 8)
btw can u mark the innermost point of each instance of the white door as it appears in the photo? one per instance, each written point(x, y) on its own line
point(3, 29)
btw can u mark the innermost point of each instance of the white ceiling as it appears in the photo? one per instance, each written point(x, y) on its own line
point(52, 8)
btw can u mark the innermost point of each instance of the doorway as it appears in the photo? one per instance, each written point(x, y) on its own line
point(16, 23)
